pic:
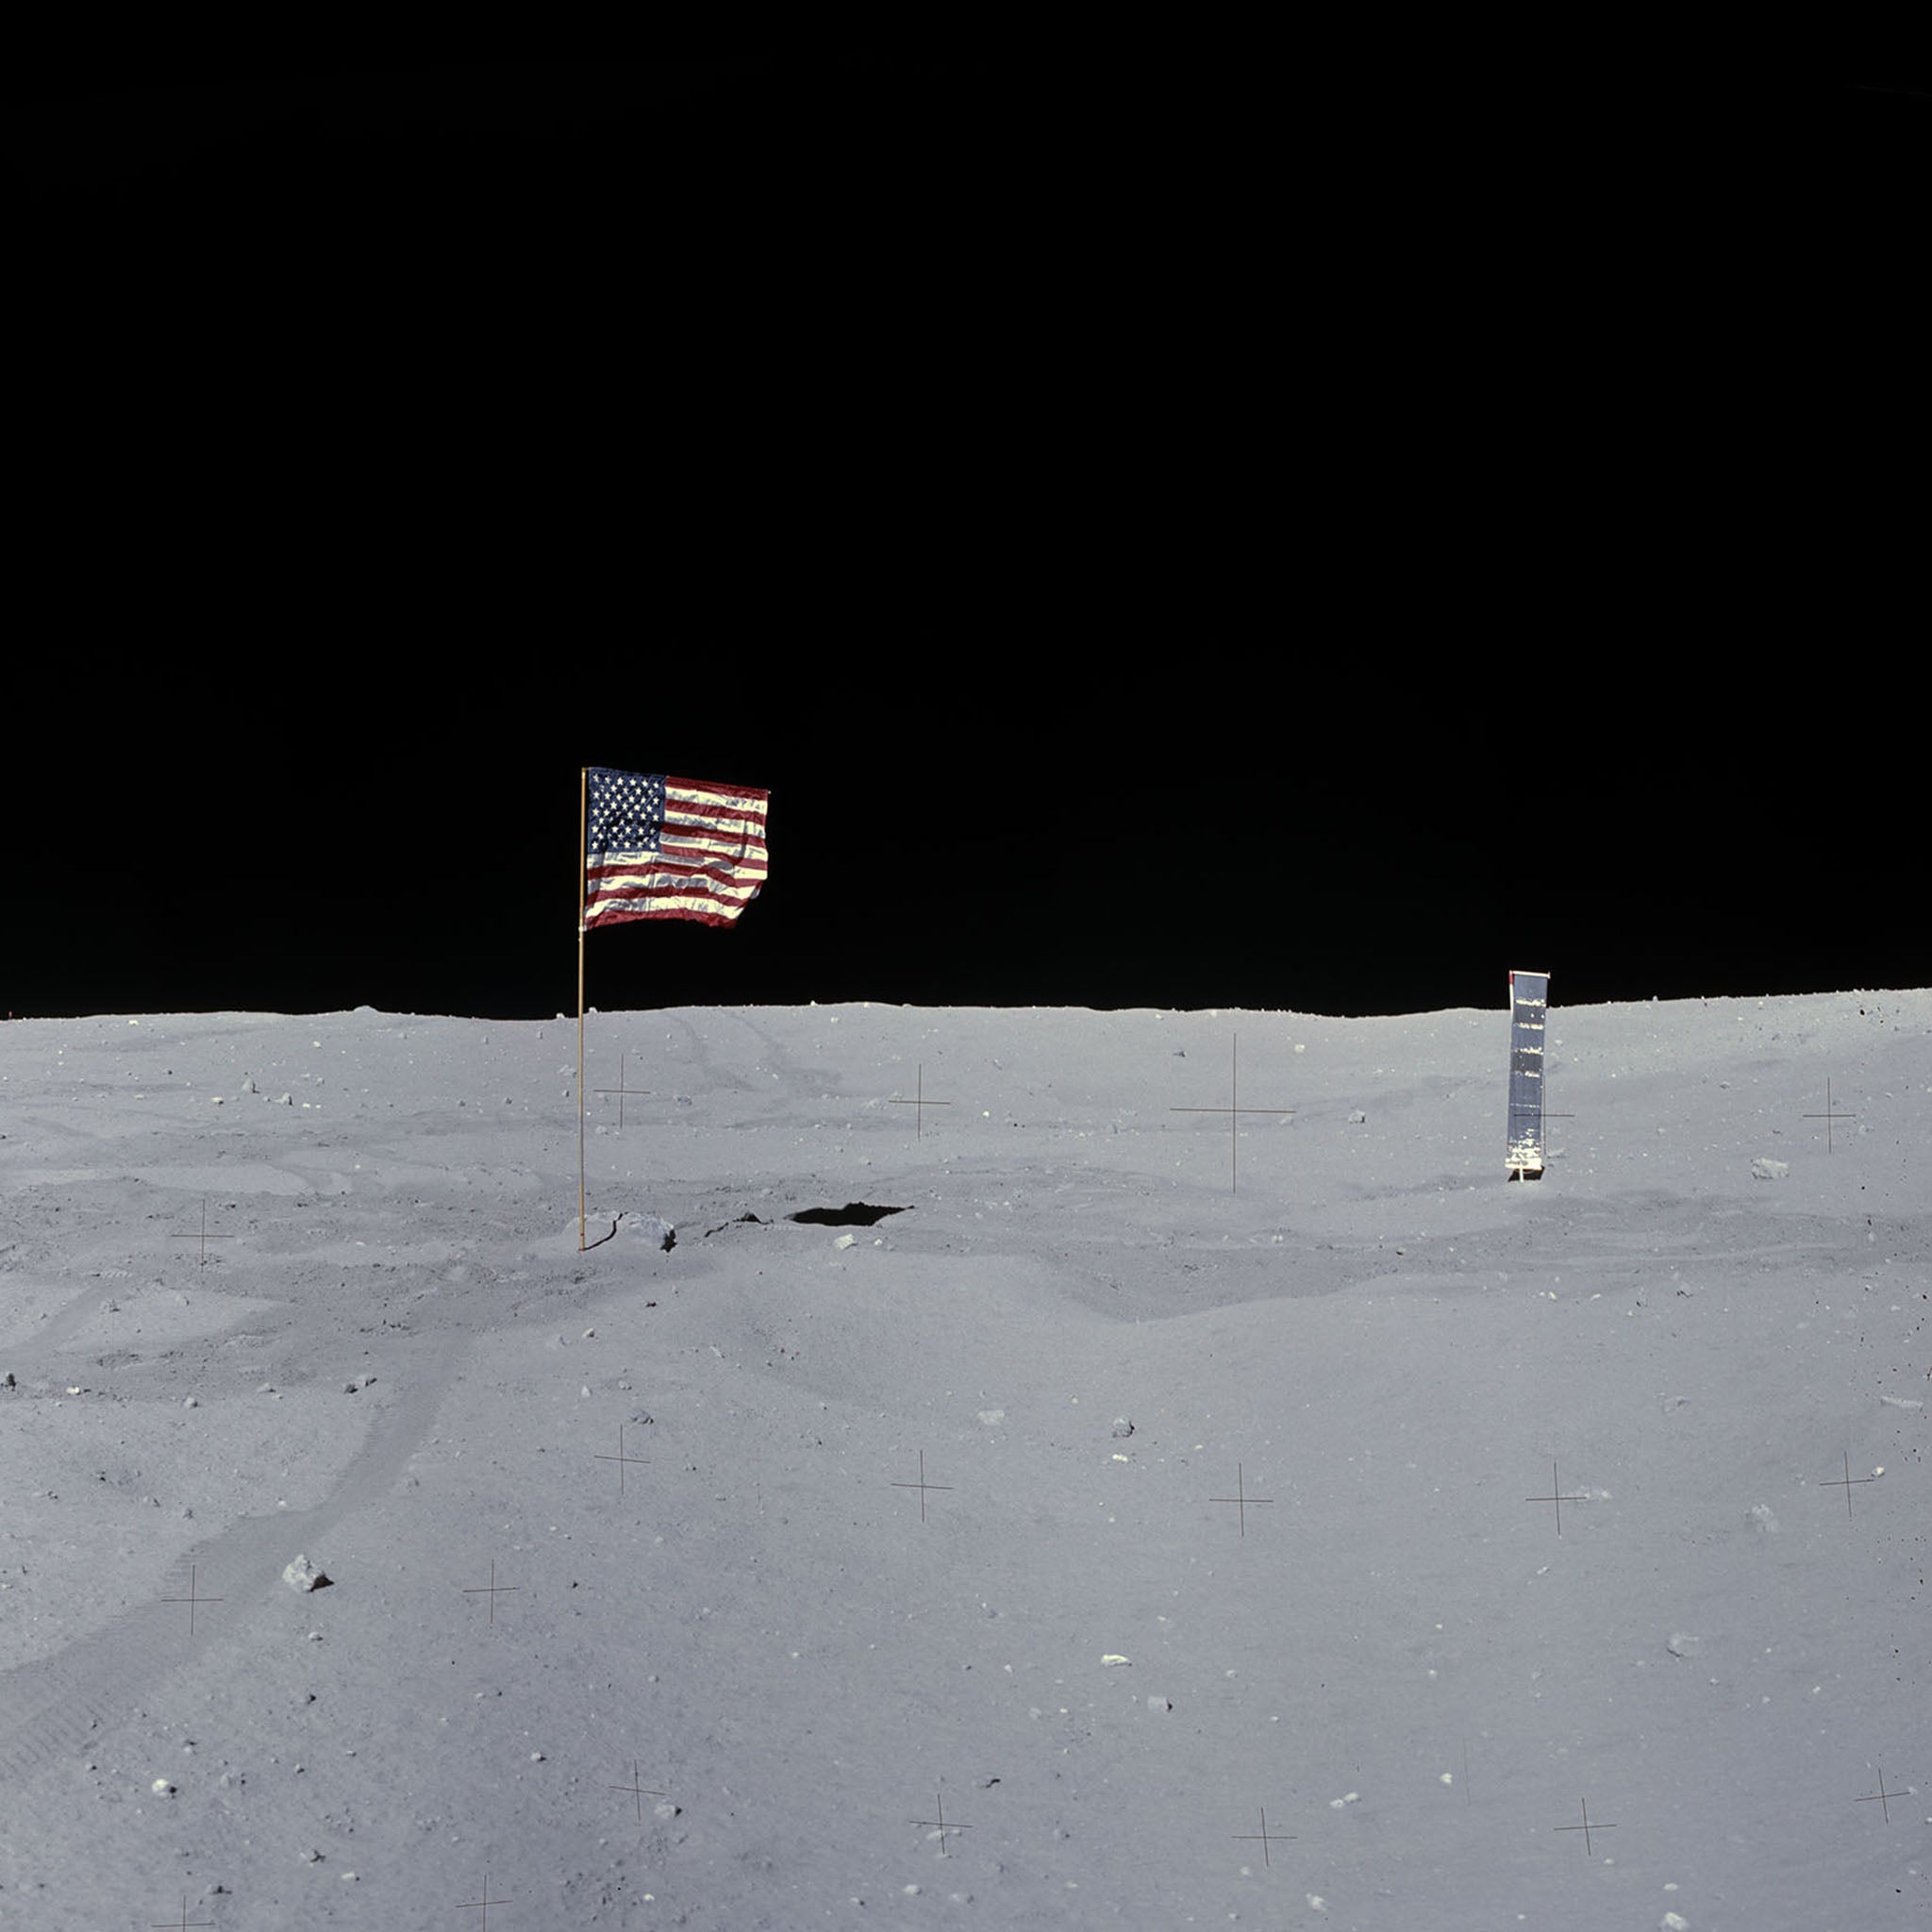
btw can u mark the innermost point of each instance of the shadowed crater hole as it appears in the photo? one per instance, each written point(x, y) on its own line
point(854, 1214)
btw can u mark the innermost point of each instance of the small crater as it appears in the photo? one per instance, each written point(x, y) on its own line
point(854, 1214)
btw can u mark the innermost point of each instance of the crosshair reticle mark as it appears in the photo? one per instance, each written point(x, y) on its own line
point(1241, 1499)
point(640, 1791)
point(621, 1459)
point(203, 1236)
point(621, 1090)
point(919, 1104)
point(921, 1486)
point(1557, 1498)
point(486, 1901)
point(1847, 1482)
point(1586, 1827)
point(1881, 1794)
point(1233, 1110)
point(939, 1824)
point(1829, 1116)
point(191, 1599)
point(1267, 1837)
point(492, 1590)
point(182, 1923)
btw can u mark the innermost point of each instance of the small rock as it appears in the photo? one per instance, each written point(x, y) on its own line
point(1764, 1169)
point(162, 1788)
point(652, 1228)
point(1122, 1428)
point(303, 1574)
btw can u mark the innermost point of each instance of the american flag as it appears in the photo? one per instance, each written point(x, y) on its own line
point(670, 848)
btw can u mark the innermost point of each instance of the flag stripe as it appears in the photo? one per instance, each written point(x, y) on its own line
point(660, 847)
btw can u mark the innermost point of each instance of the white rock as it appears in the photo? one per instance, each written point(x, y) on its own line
point(1763, 1169)
point(162, 1788)
point(303, 1574)
point(651, 1228)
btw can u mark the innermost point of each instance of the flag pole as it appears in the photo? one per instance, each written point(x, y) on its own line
point(583, 820)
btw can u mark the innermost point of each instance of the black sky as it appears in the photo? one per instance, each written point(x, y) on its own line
point(1165, 536)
